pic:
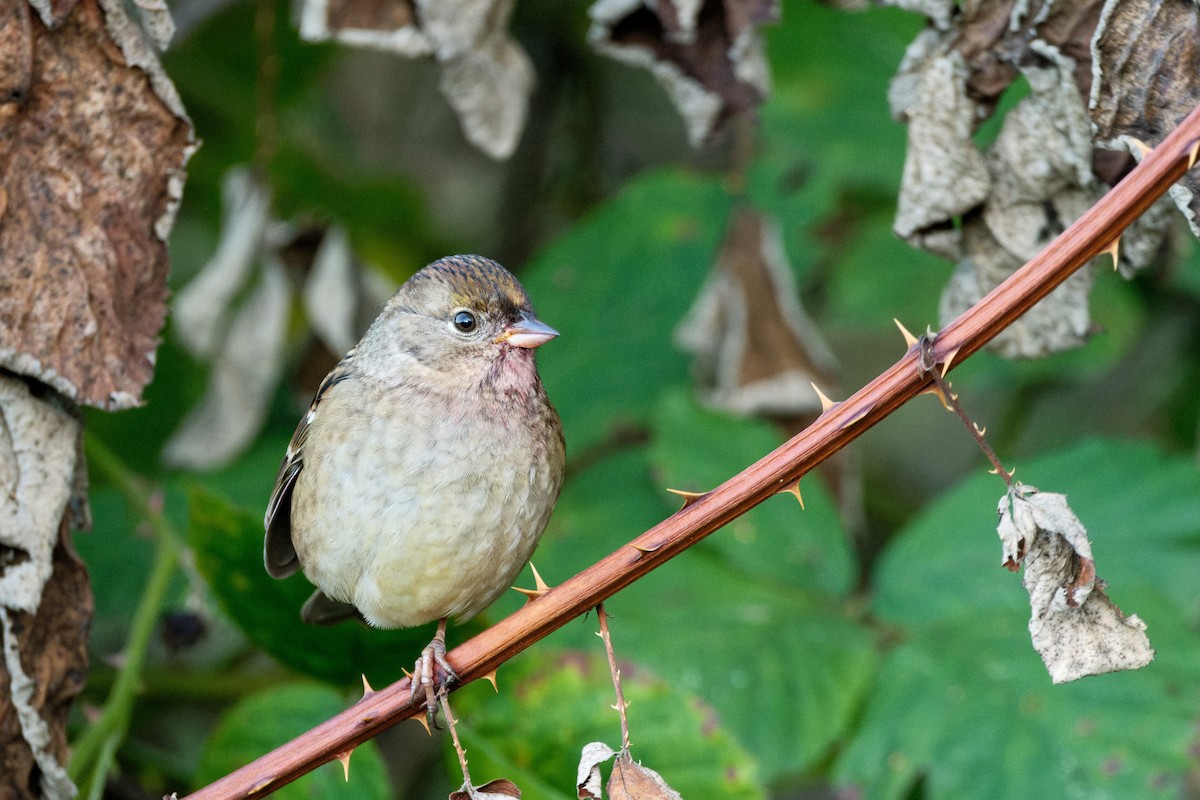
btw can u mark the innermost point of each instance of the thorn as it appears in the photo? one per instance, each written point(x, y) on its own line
point(367, 690)
point(1114, 250)
point(643, 549)
point(1142, 148)
point(539, 586)
point(344, 757)
point(537, 579)
point(424, 723)
point(936, 391)
point(949, 360)
point(794, 489)
point(688, 497)
point(826, 403)
point(1193, 152)
point(909, 339)
point(981, 431)
point(491, 677)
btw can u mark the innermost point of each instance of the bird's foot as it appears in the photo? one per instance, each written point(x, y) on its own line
point(433, 657)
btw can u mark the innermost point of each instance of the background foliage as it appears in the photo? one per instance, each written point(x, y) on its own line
point(790, 655)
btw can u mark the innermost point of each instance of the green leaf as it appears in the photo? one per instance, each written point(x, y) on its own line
point(695, 449)
point(965, 702)
point(264, 721)
point(551, 704)
point(228, 546)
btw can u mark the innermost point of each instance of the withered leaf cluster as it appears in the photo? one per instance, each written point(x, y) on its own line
point(93, 143)
point(45, 602)
point(485, 75)
point(499, 789)
point(756, 350)
point(628, 780)
point(235, 316)
point(1097, 75)
point(708, 56)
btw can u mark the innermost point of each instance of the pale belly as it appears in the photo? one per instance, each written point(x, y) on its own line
point(415, 522)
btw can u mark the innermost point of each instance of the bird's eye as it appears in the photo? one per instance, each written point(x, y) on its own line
point(464, 321)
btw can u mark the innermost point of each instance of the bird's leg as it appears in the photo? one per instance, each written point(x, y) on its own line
point(423, 671)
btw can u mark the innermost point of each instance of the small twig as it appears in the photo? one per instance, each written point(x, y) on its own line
point(95, 750)
point(928, 366)
point(616, 677)
point(468, 787)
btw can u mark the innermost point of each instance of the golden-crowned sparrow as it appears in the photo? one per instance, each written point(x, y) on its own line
point(420, 480)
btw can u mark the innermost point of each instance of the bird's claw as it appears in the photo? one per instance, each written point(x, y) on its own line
point(433, 657)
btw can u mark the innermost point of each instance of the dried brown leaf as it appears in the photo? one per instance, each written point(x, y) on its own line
point(587, 779)
point(235, 312)
point(945, 176)
point(1147, 66)
point(390, 25)
point(993, 211)
point(45, 603)
point(246, 370)
point(756, 350)
point(1074, 626)
point(708, 56)
point(52, 11)
point(331, 296)
point(39, 457)
point(631, 781)
point(91, 167)
point(42, 671)
point(486, 76)
point(499, 789)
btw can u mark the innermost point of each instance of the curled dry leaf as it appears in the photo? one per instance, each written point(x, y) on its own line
point(201, 309)
point(993, 211)
point(45, 603)
point(93, 142)
point(708, 56)
point(485, 75)
point(587, 779)
point(1147, 65)
point(756, 350)
point(39, 457)
point(631, 781)
point(235, 315)
point(1074, 626)
point(246, 370)
point(945, 175)
point(499, 789)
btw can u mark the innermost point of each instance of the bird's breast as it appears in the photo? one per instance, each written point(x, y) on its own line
point(423, 505)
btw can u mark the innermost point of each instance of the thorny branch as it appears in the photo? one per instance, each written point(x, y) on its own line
point(1089, 236)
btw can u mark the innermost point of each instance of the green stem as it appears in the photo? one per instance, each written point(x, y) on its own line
point(99, 742)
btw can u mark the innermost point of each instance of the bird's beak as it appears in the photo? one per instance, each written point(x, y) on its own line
point(528, 331)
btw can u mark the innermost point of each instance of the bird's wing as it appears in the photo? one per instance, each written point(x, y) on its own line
point(279, 554)
point(321, 610)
